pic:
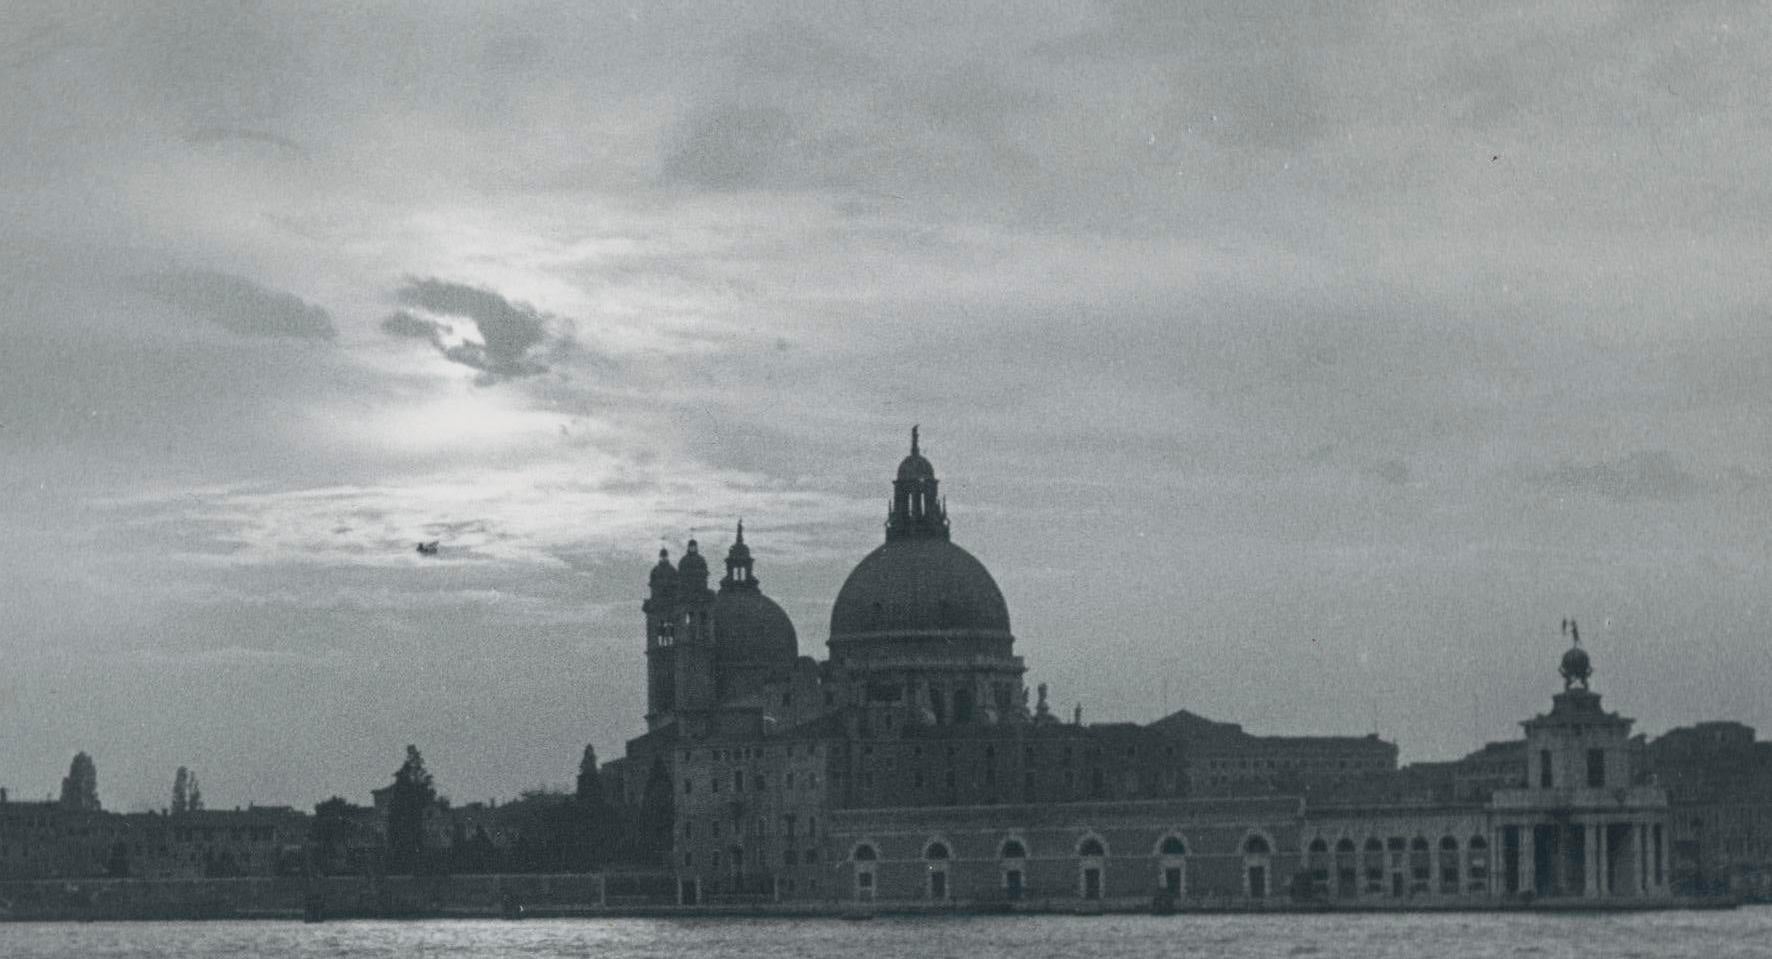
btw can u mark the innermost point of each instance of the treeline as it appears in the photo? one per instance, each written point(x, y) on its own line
point(411, 830)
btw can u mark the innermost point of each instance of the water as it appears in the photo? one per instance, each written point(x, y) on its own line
point(1665, 935)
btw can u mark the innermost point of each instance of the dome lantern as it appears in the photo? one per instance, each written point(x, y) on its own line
point(917, 510)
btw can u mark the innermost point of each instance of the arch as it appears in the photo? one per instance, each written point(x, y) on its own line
point(1319, 846)
point(1257, 880)
point(1448, 844)
point(1013, 854)
point(937, 850)
point(864, 852)
point(1375, 844)
point(1418, 844)
point(1347, 869)
point(1172, 867)
point(1478, 842)
point(1091, 847)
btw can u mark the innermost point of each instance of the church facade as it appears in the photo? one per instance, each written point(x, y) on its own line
point(909, 768)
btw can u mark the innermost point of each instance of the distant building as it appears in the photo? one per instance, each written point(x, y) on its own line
point(1719, 782)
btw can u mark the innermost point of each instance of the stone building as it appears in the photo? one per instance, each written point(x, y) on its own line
point(1719, 783)
point(909, 768)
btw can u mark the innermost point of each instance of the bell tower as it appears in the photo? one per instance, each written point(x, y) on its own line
point(660, 608)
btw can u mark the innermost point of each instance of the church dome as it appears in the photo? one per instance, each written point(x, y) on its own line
point(749, 628)
point(915, 467)
point(919, 585)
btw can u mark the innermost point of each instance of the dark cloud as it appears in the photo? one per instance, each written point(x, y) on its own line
point(1645, 475)
point(510, 332)
point(208, 135)
point(406, 326)
point(238, 304)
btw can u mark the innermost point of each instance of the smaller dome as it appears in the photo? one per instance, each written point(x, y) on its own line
point(751, 630)
point(915, 467)
point(694, 568)
point(664, 573)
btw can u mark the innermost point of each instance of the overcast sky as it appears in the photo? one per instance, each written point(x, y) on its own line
point(1302, 365)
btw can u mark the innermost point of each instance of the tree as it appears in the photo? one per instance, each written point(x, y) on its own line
point(181, 785)
point(593, 822)
point(409, 800)
point(331, 831)
point(80, 787)
point(194, 802)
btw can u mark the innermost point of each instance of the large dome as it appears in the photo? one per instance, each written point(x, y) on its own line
point(750, 629)
point(919, 586)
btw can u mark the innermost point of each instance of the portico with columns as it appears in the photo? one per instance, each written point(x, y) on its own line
point(1582, 827)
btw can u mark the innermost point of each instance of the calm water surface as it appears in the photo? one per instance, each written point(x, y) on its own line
point(1668, 935)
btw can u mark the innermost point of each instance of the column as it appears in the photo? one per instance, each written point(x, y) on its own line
point(1590, 848)
point(1603, 862)
point(1667, 865)
point(1640, 832)
point(1528, 860)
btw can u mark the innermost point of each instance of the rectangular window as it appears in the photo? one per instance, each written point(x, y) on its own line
point(738, 780)
point(1544, 769)
point(1596, 768)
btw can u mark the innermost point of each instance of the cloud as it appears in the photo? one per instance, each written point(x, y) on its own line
point(407, 326)
point(238, 304)
point(510, 333)
point(1644, 475)
point(208, 135)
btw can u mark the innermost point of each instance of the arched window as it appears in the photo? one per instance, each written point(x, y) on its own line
point(938, 856)
point(1317, 865)
point(1256, 850)
point(1448, 865)
point(864, 857)
point(1347, 870)
point(1091, 876)
point(1477, 865)
point(1372, 864)
point(1014, 854)
point(1172, 877)
point(1421, 868)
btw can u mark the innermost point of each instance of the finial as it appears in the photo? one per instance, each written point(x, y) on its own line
point(913, 441)
point(664, 553)
point(741, 531)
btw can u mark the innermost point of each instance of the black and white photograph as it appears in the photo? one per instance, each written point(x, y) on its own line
point(528, 479)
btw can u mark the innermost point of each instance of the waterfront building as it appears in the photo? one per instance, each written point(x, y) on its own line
point(908, 767)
